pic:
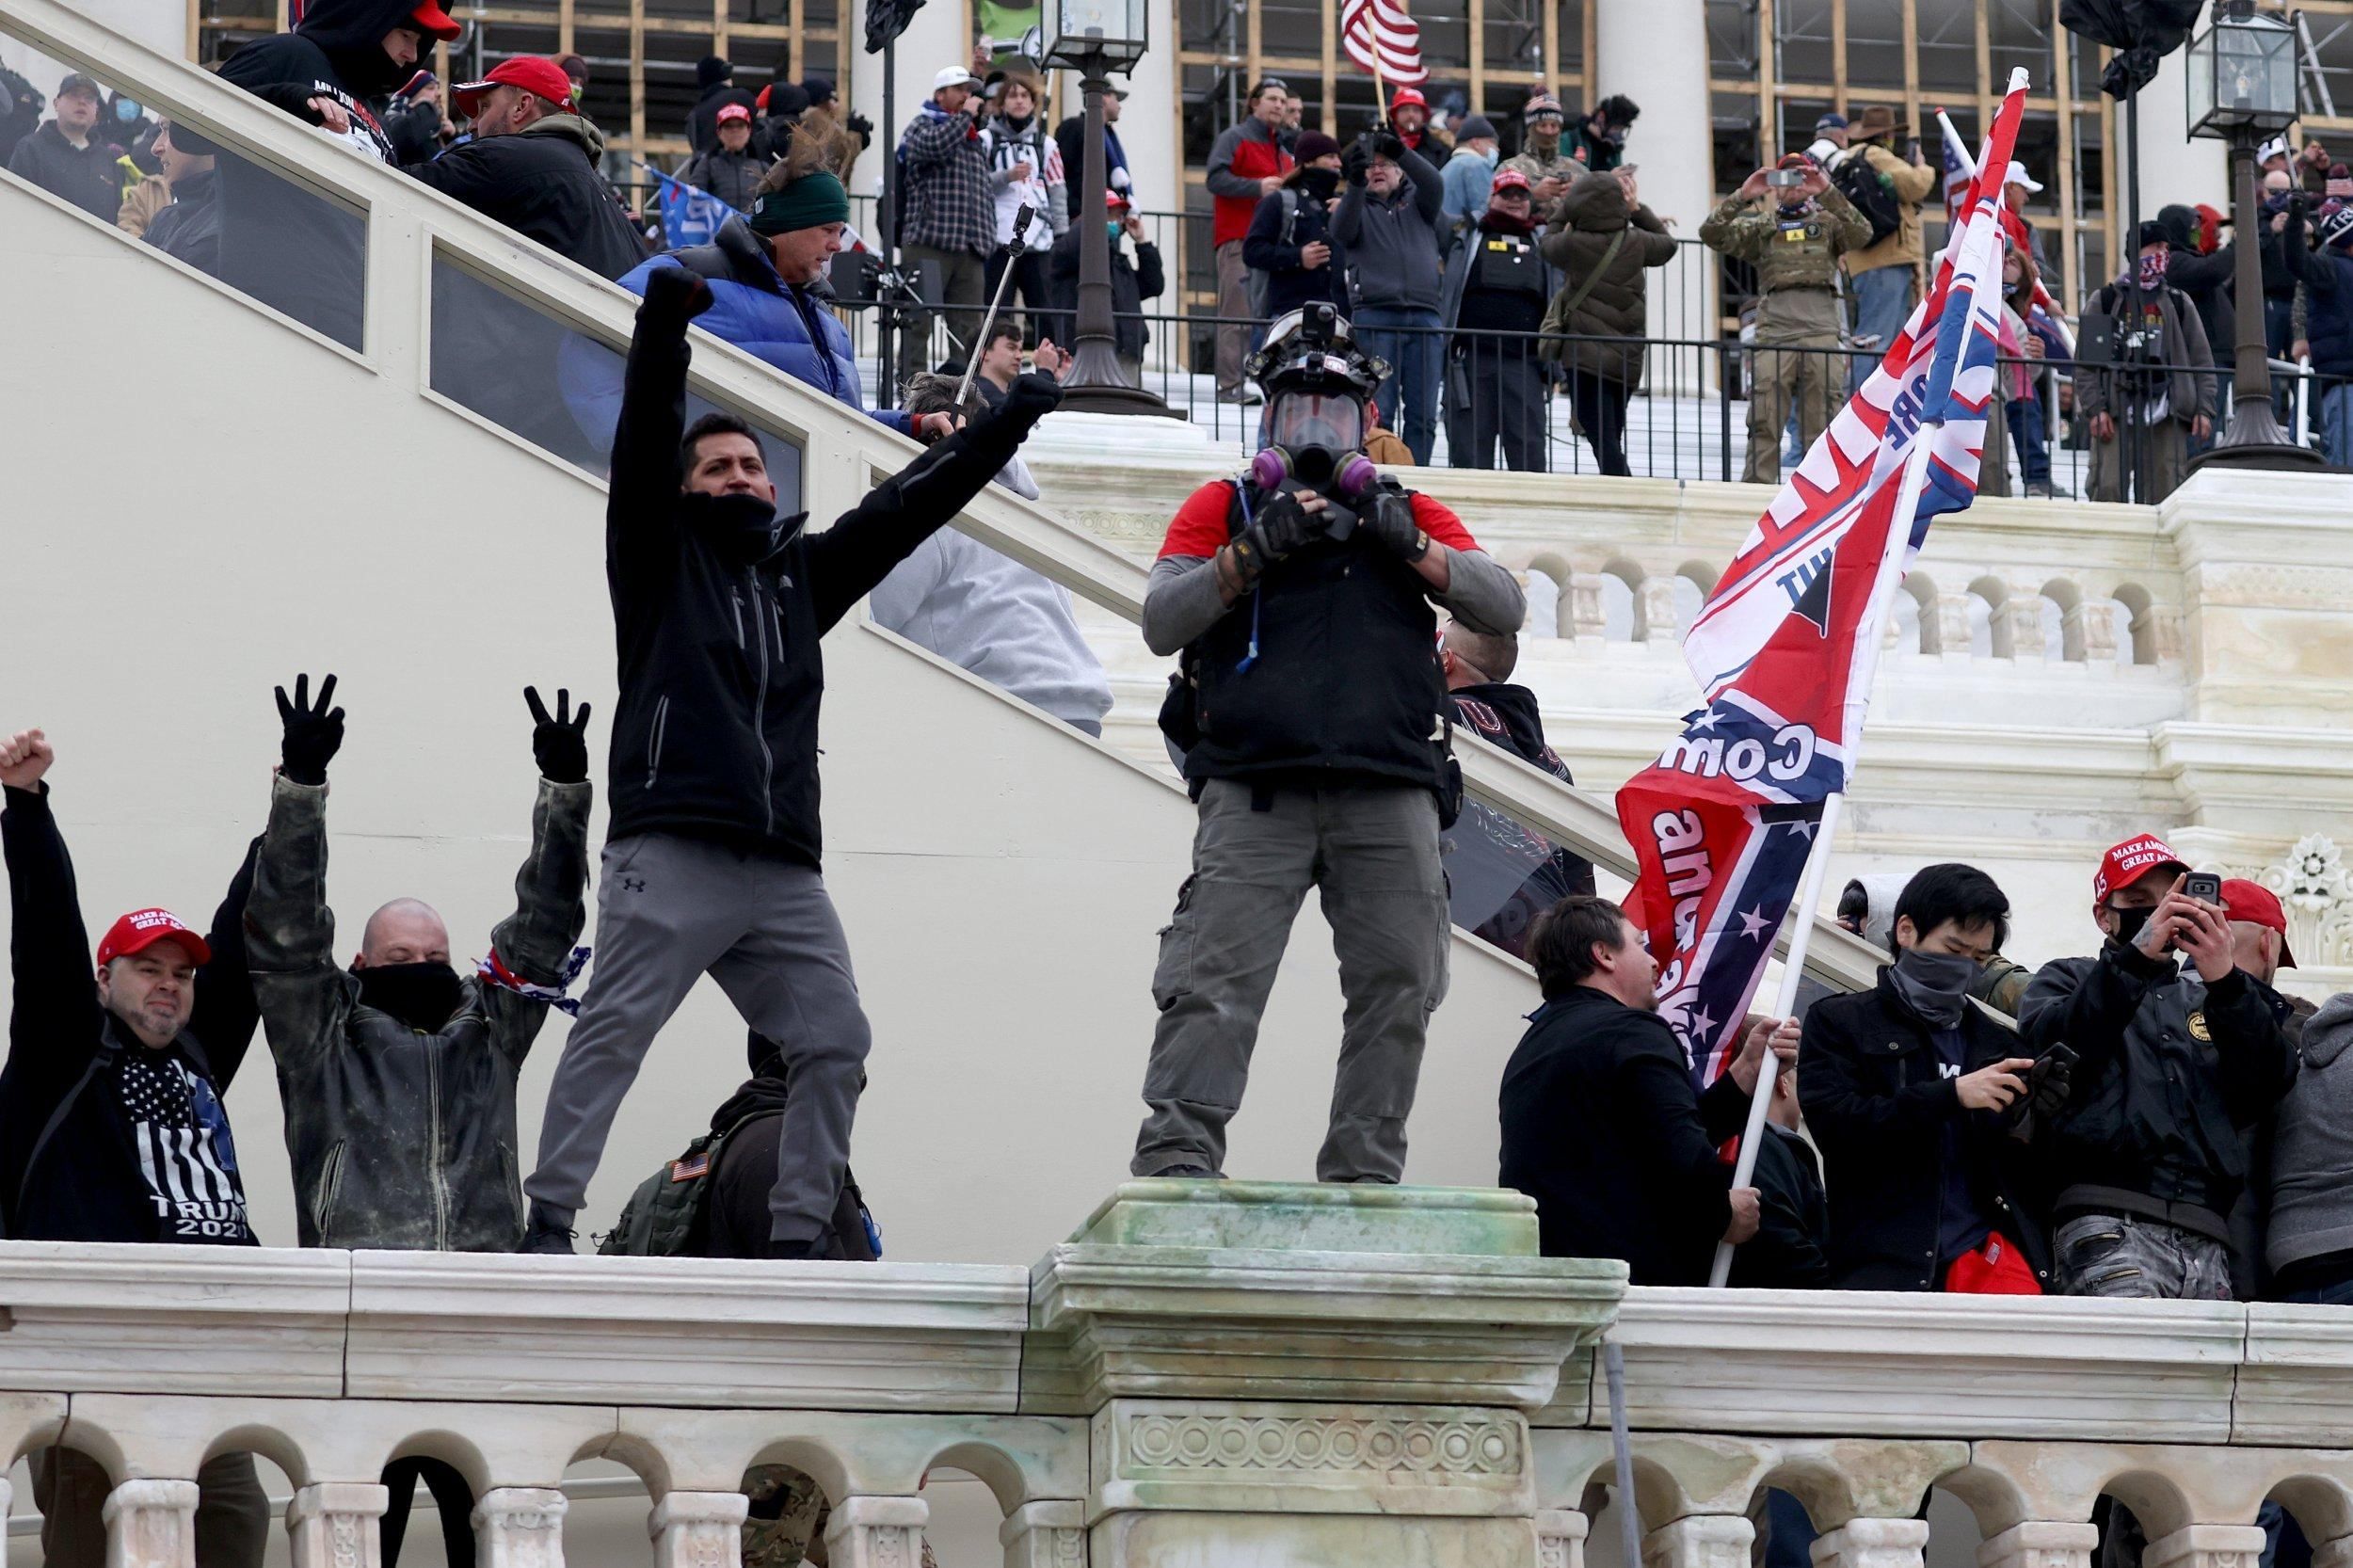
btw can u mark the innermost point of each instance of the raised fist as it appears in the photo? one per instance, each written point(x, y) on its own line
point(25, 756)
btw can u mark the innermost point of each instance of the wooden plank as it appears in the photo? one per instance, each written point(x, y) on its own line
point(1985, 70)
point(564, 45)
point(193, 38)
point(1767, 99)
point(1256, 55)
point(637, 75)
point(2063, 107)
point(2112, 253)
point(719, 28)
point(1478, 56)
point(1550, 75)
point(1331, 71)
point(1589, 69)
point(1304, 65)
point(1838, 53)
point(795, 46)
point(1912, 64)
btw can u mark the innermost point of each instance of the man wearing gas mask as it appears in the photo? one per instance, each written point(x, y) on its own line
point(2147, 1155)
point(1313, 719)
point(398, 1075)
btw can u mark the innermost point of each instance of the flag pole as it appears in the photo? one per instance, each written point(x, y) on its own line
point(1818, 858)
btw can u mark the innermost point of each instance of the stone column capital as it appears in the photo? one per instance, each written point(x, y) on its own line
point(2207, 1546)
point(1867, 1543)
point(150, 1524)
point(698, 1530)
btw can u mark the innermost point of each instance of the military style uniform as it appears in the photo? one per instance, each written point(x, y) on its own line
point(1795, 251)
point(1538, 169)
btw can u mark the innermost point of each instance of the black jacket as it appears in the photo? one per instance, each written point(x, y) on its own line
point(718, 611)
point(543, 183)
point(1132, 284)
point(1501, 875)
point(2168, 1071)
point(702, 121)
point(1268, 250)
point(1877, 1102)
point(141, 1150)
point(744, 1172)
point(1793, 1218)
point(292, 250)
point(189, 228)
point(2210, 281)
point(733, 177)
point(87, 175)
point(1602, 1128)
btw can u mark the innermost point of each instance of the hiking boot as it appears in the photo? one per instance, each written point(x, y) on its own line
point(544, 1235)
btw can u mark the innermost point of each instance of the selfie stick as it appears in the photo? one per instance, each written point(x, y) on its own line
point(1004, 281)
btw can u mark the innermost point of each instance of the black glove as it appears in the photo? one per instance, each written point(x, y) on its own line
point(860, 127)
point(1280, 527)
point(1356, 161)
point(560, 743)
point(1389, 145)
point(312, 735)
point(1032, 397)
point(676, 294)
point(1390, 521)
point(2049, 1081)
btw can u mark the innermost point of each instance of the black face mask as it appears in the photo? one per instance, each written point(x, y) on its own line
point(1936, 985)
point(1319, 182)
point(743, 528)
point(422, 995)
point(2129, 923)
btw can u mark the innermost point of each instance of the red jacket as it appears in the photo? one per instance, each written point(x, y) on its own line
point(1245, 154)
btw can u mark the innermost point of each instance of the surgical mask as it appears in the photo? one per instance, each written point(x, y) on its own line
point(2152, 272)
point(125, 110)
point(1113, 229)
point(1935, 984)
point(422, 995)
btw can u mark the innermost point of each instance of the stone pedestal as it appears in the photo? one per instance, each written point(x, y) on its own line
point(1872, 1543)
point(520, 1527)
point(1046, 1535)
point(876, 1532)
point(2207, 1546)
point(1699, 1541)
point(150, 1524)
point(697, 1529)
point(336, 1525)
point(1561, 1538)
point(2042, 1544)
point(1284, 1373)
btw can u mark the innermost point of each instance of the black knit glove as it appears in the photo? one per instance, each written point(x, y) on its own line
point(675, 294)
point(1280, 527)
point(2049, 1082)
point(1390, 521)
point(560, 743)
point(312, 735)
point(1031, 398)
point(1389, 145)
point(1356, 161)
point(860, 127)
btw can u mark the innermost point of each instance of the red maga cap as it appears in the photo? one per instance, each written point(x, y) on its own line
point(2257, 904)
point(432, 19)
point(729, 113)
point(535, 74)
point(1508, 178)
point(142, 929)
point(1408, 95)
point(2131, 861)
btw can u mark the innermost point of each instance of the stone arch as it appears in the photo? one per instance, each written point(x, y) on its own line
point(1921, 589)
point(451, 1448)
point(2157, 1500)
point(1630, 576)
point(2066, 597)
point(268, 1442)
point(1703, 573)
point(1556, 567)
point(995, 1467)
point(824, 1463)
point(2136, 636)
point(1995, 593)
point(1991, 1495)
point(2322, 1506)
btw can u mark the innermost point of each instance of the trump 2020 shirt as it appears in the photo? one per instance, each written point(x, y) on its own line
point(185, 1155)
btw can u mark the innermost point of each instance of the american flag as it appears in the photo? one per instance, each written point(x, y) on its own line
point(1958, 173)
point(1381, 38)
point(1783, 649)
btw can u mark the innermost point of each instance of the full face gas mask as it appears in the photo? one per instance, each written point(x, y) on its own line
point(1316, 382)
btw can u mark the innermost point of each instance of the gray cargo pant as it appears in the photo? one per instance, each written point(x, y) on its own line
point(70, 1488)
point(669, 910)
point(1373, 850)
point(2127, 1255)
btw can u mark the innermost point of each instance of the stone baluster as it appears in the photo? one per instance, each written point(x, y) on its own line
point(1561, 1538)
point(520, 1527)
point(878, 1533)
point(2165, 632)
point(1654, 610)
point(335, 1525)
point(2040, 1543)
point(1699, 1541)
point(1586, 618)
point(2091, 627)
point(150, 1524)
point(2207, 1546)
point(1047, 1534)
point(2333, 1554)
point(1544, 603)
point(698, 1530)
point(2022, 612)
point(1952, 625)
point(1872, 1543)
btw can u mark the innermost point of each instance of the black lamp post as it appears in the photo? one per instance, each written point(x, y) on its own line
point(2242, 89)
point(1095, 38)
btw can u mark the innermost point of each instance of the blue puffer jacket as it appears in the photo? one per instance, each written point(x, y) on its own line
point(751, 308)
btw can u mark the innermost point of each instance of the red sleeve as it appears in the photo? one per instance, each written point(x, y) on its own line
point(1204, 523)
point(1437, 520)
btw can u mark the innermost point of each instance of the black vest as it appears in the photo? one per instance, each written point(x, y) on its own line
point(1508, 265)
point(1345, 686)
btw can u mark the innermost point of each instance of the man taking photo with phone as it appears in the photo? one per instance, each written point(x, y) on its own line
point(2174, 1061)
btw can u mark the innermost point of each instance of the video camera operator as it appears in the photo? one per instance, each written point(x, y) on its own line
point(2158, 391)
point(1309, 769)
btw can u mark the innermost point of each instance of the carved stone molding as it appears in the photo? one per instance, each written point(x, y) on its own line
point(2040, 1543)
point(334, 1524)
point(1561, 1538)
point(150, 1524)
point(1477, 1444)
point(1046, 1534)
point(698, 1530)
point(878, 1533)
point(520, 1527)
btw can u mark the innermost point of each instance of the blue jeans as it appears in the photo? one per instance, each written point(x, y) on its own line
point(2025, 416)
point(2336, 422)
point(1408, 339)
point(1882, 302)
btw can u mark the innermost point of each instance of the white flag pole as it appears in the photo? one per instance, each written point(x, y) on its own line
point(1818, 858)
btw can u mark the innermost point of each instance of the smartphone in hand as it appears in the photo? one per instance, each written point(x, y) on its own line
point(2205, 887)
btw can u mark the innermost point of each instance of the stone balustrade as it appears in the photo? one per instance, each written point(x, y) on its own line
point(1204, 1373)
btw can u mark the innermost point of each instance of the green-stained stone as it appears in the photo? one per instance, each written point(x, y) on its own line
point(1296, 1216)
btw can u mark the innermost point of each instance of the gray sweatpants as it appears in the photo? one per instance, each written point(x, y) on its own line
point(670, 910)
point(70, 1488)
point(1373, 850)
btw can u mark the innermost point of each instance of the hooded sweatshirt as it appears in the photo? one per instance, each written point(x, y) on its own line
point(293, 250)
point(2311, 1148)
point(543, 183)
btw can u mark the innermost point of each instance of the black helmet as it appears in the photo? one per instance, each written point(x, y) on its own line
point(1314, 350)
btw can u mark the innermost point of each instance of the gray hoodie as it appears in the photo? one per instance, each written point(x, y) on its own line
point(2311, 1145)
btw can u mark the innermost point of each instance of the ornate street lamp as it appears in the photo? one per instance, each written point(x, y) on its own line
point(2242, 89)
point(1095, 38)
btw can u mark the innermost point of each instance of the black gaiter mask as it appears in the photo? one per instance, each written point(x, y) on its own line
point(422, 995)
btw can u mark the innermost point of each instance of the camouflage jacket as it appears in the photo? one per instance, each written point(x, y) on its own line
point(1795, 253)
point(787, 1524)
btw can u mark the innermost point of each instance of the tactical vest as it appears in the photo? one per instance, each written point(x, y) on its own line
point(1328, 669)
point(1508, 264)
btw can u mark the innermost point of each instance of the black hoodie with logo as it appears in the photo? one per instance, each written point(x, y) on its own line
point(290, 248)
point(1501, 875)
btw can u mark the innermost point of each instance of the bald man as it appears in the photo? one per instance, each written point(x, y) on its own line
point(397, 1074)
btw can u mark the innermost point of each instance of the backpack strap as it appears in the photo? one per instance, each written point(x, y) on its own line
point(108, 1050)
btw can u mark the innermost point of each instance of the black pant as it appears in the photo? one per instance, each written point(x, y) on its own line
point(451, 1495)
point(1494, 391)
point(1030, 283)
point(1600, 405)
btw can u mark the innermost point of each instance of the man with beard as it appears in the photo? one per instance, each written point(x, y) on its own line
point(281, 243)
